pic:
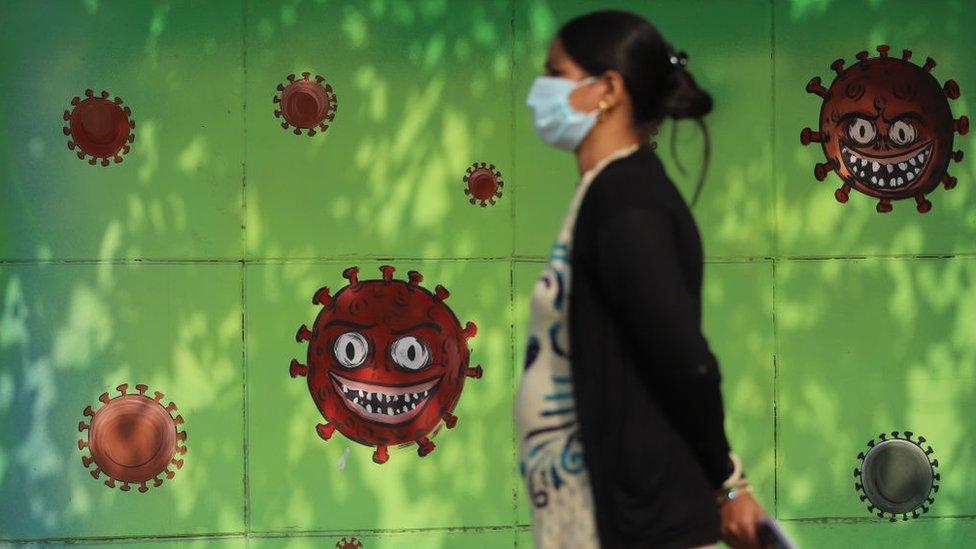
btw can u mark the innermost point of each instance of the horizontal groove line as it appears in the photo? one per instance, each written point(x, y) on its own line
point(517, 259)
point(407, 531)
point(272, 535)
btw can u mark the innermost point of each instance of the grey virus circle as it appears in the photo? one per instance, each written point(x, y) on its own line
point(897, 476)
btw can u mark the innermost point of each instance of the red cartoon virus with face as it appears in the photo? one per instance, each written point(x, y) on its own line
point(886, 129)
point(387, 360)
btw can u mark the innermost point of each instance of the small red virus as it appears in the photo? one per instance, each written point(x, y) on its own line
point(387, 360)
point(132, 438)
point(305, 104)
point(99, 128)
point(886, 129)
point(351, 543)
point(483, 183)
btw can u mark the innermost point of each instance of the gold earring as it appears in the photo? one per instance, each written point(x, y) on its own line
point(603, 106)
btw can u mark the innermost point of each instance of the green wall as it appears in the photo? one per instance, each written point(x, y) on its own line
point(189, 266)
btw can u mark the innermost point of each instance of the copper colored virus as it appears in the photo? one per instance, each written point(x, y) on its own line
point(897, 476)
point(305, 104)
point(132, 438)
point(351, 543)
point(483, 183)
point(99, 128)
point(886, 129)
point(387, 360)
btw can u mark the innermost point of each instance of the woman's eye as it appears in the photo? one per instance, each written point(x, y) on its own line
point(902, 133)
point(351, 349)
point(410, 352)
point(861, 131)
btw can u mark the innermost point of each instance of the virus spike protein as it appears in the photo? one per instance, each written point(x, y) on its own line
point(386, 362)
point(132, 439)
point(889, 157)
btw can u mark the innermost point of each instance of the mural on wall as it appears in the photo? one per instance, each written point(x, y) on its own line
point(387, 360)
point(897, 476)
point(483, 183)
point(132, 438)
point(99, 128)
point(886, 129)
point(305, 104)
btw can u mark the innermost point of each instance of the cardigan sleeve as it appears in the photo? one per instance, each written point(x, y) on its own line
point(638, 263)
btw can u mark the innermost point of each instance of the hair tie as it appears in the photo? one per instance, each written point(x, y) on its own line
point(679, 59)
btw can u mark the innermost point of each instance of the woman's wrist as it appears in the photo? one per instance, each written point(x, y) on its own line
point(735, 484)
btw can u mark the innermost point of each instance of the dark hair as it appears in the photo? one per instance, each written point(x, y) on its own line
point(654, 73)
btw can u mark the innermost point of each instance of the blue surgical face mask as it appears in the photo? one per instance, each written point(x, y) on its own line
point(555, 121)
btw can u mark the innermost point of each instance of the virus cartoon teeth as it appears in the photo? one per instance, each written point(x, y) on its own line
point(132, 438)
point(387, 360)
point(886, 129)
point(306, 104)
point(896, 476)
point(99, 128)
point(483, 183)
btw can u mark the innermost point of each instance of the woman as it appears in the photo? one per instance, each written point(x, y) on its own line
point(619, 411)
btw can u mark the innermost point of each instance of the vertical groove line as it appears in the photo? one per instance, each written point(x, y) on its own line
point(516, 477)
point(244, 363)
point(775, 254)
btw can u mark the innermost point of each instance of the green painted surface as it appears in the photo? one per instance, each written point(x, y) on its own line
point(296, 483)
point(422, 94)
point(189, 266)
point(866, 347)
point(177, 194)
point(809, 37)
point(72, 332)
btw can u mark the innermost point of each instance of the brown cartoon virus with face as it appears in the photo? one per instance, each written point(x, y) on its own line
point(886, 129)
point(387, 361)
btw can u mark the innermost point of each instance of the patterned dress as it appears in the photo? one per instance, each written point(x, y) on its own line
point(550, 447)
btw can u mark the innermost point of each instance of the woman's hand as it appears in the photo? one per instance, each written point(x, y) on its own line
point(739, 518)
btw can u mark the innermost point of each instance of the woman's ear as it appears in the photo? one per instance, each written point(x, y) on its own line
point(615, 92)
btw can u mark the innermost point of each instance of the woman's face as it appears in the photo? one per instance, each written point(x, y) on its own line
point(559, 64)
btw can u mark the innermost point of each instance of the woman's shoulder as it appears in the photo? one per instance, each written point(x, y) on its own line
point(635, 180)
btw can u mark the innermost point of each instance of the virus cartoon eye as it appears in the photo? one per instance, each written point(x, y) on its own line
point(902, 133)
point(410, 353)
point(351, 349)
point(861, 131)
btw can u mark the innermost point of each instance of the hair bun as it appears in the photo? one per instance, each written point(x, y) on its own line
point(686, 99)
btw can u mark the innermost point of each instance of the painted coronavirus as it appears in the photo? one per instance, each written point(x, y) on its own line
point(351, 543)
point(387, 360)
point(99, 128)
point(886, 129)
point(305, 104)
point(132, 438)
point(482, 184)
point(897, 475)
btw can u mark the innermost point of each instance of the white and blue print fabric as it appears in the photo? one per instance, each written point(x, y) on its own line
point(550, 446)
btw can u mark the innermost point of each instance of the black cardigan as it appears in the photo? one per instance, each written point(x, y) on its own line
point(646, 382)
